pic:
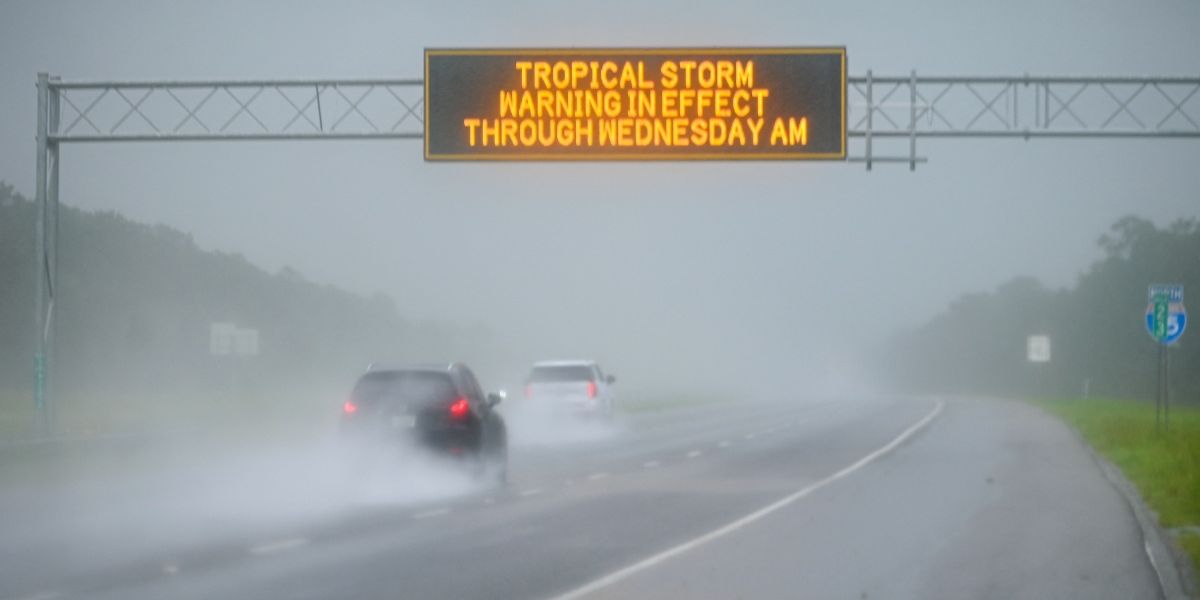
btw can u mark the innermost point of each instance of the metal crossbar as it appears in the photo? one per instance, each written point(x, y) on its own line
point(239, 110)
point(968, 106)
point(1095, 105)
point(1018, 107)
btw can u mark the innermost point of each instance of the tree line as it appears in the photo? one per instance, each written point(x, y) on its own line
point(135, 304)
point(1099, 341)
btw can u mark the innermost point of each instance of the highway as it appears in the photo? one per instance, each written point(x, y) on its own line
point(849, 498)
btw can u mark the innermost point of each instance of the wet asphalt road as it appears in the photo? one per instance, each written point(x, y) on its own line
point(853, 498)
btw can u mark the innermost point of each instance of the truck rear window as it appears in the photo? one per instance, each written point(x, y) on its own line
point(563, 373)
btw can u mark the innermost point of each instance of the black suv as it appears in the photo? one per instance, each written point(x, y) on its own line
point(440, 408)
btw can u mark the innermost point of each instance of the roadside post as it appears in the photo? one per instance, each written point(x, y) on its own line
point(1166, 319)
point(227, 339)
point(1037, 353)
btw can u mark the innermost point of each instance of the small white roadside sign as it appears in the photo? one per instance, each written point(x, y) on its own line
point(226, 339)
point(1037, 349)
point(220, 338)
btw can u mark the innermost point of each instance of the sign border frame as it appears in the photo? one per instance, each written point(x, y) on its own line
point(840, 51)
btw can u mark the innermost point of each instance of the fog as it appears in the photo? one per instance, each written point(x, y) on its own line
point(672, 273)
point(772, 286)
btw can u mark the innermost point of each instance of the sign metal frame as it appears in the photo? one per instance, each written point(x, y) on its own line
point(575, 155)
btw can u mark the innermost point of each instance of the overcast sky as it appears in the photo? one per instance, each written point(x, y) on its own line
point(685, 265)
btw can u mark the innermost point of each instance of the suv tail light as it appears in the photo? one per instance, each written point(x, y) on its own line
point(528, 390)
point(459, 408)
point(591, 389)
point(349, 407)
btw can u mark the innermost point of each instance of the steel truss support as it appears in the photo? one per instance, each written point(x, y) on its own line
point(241, 110)
point(911, 107)
point(879, 110)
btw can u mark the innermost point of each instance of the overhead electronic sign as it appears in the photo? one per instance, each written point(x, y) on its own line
point(635, 104)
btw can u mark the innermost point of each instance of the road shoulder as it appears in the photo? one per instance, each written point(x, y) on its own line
point(994, 499)
point(1171, 565)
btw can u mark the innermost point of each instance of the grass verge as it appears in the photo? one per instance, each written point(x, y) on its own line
point(1191, 544)
point(1165, 466)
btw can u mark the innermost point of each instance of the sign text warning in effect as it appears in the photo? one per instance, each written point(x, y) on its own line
point(658, 104)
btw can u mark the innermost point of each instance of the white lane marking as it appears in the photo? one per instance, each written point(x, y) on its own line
point(650, 464)
point(694, 453)
point(429, 514)
point(595, 476)
point(170, 569)
point(625, 572)
point(723, 444)
point(489, 500)
point(750, 436)
point(43, 596)
point(277, 546)
point(1153, 563)
point(530, 492)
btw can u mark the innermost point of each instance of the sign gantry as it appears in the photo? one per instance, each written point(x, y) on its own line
point(880, 118)
point(885, 114)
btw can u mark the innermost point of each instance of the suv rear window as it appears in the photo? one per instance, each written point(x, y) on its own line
point(563, 373)
point(411, 388)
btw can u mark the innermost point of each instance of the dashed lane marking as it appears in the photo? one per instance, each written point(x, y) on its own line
point(625, 572)
point(43, 596)
point(429, 514)
point(278, 546)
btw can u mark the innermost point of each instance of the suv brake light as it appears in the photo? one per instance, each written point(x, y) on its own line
point(459, 408)
point(591, 389)
point(349, 407)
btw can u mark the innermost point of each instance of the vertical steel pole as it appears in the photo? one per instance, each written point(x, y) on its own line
point(39, 258)
point(1010, 105)
point(912, 121)
point(1158, 395)
point(870, 112)
point(1016, 94)
point(1166, 389)
point(1037, 107)
point(1046, 105)
point(53, 112)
